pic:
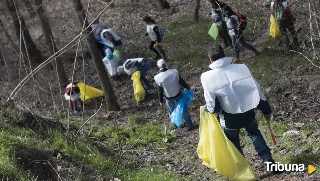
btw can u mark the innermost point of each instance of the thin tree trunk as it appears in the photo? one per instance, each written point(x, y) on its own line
point(47, 32)
point(34, 54)
point(111, 100)
point(9, 37)
point(196, 11)
point(164, 4)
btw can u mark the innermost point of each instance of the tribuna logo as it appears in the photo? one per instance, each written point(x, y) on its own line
point(285, 167)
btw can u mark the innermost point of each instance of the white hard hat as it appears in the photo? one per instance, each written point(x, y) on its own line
point(160, 63)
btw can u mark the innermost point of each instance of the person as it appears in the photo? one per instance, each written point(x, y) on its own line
point(232, 92)
point(236, 33)
point(110, 61)
point(132, 65)
point(282, 13)
point(153, 30)
point(96, 28)
point(169, 82)
point(72, 94)
point(111, 39)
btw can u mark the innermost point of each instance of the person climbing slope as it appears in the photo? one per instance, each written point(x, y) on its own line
point(234, 96)
point(111, 39)
point(217, 16)
point(169, 85)
point(72, 94)
point(236, 32)
point(282, 13)
point(96, 28)
point(153, 30)
point(132, 65)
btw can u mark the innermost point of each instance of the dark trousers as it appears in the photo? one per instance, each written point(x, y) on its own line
point(285, 26)
point(224, 35)
point(159, 47)
point(256, 137)
point(239, 38)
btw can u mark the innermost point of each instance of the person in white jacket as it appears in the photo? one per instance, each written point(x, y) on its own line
point(72, 95)
point(232, 92)
point(113, 40)
point(153, 30)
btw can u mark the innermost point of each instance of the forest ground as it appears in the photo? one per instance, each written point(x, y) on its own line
point(138, 143)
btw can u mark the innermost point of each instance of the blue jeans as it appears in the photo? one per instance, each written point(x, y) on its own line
point(172, 103)
point(74, 104)
point(256, 137)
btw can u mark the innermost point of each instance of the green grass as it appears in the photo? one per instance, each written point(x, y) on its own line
point(138, 133)
point(187, 40)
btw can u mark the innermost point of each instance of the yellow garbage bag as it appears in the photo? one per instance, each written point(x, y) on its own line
point(139, 92)
point(88, 92)
point(274, 28)
point(218, 153)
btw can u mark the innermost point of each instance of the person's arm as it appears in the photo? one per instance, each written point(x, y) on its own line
point(210, 101)
point(131, 64)
point(183, 83)
point(263, 105)
point(157, 31)
point(160, 94)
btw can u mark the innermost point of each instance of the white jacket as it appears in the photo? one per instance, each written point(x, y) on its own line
point(233, 85)
point(169, 81)
point(151, 33)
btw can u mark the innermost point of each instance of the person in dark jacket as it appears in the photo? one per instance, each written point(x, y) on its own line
point(153, 31)
point(234, 96)
point(132, 65)
point(282, 13)
point(169, 82)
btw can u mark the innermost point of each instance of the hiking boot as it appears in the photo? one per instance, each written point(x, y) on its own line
point(190, 128)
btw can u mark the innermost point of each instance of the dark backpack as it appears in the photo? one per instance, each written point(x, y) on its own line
point(278, 10)
point(242, 21)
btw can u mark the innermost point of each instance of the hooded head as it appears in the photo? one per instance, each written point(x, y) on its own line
point(161, 64)
point(109, 53)
point(215, 53)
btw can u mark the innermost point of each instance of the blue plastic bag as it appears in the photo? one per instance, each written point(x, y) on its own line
point(183, 103)
point(161, 32)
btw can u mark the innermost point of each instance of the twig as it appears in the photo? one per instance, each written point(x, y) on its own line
point(90, 117)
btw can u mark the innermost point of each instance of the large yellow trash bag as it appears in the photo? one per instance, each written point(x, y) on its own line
point(139, 92)
point(218, 153)
point(88, 92)
point(274, 28)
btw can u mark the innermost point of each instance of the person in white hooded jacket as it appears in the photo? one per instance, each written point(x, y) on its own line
point(232, 92)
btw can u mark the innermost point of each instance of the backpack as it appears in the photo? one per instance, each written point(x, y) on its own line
point(278, 10)
point(242, 21)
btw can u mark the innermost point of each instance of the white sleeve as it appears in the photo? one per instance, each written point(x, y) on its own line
point(261, 94)
point(210, 101)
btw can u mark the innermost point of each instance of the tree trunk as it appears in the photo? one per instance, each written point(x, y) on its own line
point(47, 32)
point(164, 4)
point(196, 11)
point(111, 100)
point(27, 45)
point(9, 37)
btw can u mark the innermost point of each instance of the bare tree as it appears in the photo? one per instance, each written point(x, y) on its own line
point(47, 32)
point(164, 4)
point(27, 45)
point(196, 11)
point(111, 100)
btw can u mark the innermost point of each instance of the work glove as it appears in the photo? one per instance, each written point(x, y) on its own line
point(206, 109)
